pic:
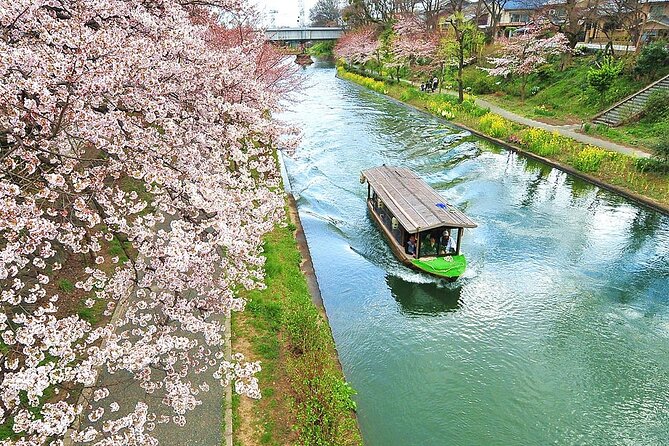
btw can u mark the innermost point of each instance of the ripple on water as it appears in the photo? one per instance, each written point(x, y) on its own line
point(558, 331)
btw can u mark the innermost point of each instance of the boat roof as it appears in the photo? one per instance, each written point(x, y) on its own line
point(412, 201)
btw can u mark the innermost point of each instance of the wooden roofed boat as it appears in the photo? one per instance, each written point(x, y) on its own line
point(424, 231)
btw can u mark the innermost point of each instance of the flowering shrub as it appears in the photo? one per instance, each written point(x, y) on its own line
point(366, 82)
point(589, 159)
point(495, 126)
point(441, 106)
point(542, 142)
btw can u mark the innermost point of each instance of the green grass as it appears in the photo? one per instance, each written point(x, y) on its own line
point(116, 249)
point(293, 341)
point(65, 285)
point(92, 315)
point(640, 134)
point(560, 95)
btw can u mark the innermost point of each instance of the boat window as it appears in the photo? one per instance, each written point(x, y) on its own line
point(448, 238)
point(429, 244)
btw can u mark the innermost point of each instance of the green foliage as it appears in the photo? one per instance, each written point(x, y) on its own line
point(322, 49)
point(661, 149)
point(495, 126)
point(657, 106)
point(316, 420)
point(652, 58)
point(470, 107)
point(65, 285)
point(601, 76)
point(479, 81)
point(409, 94)
point(589, 159)
point(651, 165)
point(6, 431)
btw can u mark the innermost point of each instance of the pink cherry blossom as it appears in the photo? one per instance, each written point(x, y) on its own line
point(149, 123)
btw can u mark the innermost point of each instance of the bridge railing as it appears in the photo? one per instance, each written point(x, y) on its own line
point(302, 34)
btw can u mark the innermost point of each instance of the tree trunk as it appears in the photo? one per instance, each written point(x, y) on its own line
point(522, 89)
point(441, 76)
point(461, 63)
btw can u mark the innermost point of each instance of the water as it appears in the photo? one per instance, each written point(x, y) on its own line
point(558, 333)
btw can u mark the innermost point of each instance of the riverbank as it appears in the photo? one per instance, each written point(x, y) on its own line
point(619, 172)
point(305, 397)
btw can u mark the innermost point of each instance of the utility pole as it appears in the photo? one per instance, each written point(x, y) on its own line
point(300, 19)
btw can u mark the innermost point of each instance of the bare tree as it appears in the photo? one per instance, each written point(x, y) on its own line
point(376, 11)
point(569, 17)
point(432, 10)
point(626, 14)
point(494, 8)
point(325, 13)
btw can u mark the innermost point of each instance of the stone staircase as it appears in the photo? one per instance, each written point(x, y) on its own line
point(631, 106)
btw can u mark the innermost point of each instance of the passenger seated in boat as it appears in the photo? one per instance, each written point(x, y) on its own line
point(411, 246)
point(430, 246)
point(447, 244)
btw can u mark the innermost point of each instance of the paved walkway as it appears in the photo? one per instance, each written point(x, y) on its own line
point(570, 131)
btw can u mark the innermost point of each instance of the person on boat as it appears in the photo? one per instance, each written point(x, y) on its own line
point(447, 243)
point(430, 245)
point(411, 246)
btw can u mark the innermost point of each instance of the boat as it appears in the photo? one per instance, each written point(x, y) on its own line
point(423, 230)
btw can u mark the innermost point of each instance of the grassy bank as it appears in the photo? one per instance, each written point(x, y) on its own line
point(564, 96)
point(612, 168)
point(305, 397)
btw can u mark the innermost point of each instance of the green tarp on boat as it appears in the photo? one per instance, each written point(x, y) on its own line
point(447, 266)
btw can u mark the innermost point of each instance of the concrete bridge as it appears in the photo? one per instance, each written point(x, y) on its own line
point(302, 34)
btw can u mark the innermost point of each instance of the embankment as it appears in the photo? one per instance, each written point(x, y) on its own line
point(306, 399)
point(622, 174)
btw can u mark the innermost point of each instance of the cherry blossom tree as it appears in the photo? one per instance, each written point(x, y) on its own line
point(523, 54)
point(358, 46)
point(145, 123)
point(411, 44)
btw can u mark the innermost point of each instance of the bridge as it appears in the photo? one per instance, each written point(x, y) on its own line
point(302, 34)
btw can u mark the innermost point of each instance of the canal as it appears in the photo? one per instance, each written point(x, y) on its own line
point(558, 333)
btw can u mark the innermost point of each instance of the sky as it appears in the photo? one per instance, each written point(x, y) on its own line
point(287, 11)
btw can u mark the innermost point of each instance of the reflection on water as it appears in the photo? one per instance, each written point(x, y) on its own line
point(558, 333)
point(426, 299)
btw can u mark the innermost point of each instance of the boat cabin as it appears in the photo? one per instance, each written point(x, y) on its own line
point(424, 231)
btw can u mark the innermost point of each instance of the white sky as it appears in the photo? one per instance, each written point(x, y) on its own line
point(287, 11)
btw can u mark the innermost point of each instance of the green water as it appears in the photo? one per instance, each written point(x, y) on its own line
point(558, 332)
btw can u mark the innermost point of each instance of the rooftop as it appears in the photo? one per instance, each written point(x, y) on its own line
point(412, 201)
